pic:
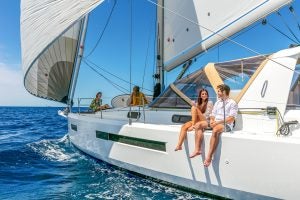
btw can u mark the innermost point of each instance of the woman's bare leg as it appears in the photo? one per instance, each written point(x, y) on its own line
point(198, 142)
point(182, 135)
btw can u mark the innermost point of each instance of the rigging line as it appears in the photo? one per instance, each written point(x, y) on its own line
point(130, 44)
point(233, 37)
point(224, 37)
point(225, 41)
point(284, 22)
point(101, 68)
point(130, 57)
point(241, 32)
point(155, 47)
point(147, 52)
point(102, 33)
point(219, 53)
point(291, 8)
point(104, 70)
point(118, 87)
point(281, 32)
point(108, 80)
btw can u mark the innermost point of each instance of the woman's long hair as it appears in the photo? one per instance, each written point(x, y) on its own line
point(98, 93)
point(199, 102)
point(137, 90)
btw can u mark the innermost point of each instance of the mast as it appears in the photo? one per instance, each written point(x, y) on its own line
point(77, 62)
point(160, 46)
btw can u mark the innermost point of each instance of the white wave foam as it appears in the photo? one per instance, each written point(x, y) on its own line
point(6, 135)
point(64, 139)
point(55, 150)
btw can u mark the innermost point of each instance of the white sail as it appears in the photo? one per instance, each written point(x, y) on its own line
point(49, 39)
point(192, 26)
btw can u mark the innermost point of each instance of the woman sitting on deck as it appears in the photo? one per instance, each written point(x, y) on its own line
point(96, 104)
point(200, 117)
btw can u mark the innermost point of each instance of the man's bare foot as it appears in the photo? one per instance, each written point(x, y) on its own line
point(178, 148)
point(207, 162)
point(195, 153)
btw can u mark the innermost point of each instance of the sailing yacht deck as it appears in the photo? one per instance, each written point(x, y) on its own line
point(163, 118)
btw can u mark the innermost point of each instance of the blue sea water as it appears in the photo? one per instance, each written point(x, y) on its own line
point(37, 161)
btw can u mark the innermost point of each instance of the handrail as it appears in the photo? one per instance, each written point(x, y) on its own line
point(80, 104)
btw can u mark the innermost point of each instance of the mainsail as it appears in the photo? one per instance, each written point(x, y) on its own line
point(50, 32)
point(192, 26)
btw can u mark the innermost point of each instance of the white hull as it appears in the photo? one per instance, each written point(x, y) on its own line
point(252, 162)
point(247, 165)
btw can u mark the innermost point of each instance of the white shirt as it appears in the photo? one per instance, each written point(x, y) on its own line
point(231, 109)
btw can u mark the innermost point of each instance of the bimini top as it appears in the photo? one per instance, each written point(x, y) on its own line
point(49, 41)
point(235, 73)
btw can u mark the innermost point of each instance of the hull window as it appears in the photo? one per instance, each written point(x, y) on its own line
point(139, 142)
point(74, 127)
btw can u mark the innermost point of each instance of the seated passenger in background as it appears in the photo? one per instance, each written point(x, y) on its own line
point(137, 98)
point(96, 104)
point(200, 117)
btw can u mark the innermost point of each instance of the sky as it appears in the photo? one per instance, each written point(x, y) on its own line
point(12, 91)
point(112, 53)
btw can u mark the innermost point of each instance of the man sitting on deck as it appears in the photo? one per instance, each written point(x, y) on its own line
point(219, 117)
point(137, 98)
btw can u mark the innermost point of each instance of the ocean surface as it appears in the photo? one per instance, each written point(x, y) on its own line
point(37, 161)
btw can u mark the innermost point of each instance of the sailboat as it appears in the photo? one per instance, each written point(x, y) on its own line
point(258, 159)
